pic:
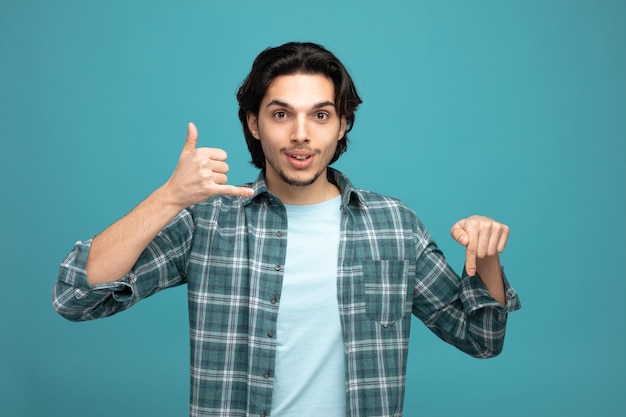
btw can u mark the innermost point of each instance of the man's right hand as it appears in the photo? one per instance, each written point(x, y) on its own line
point(200, 174)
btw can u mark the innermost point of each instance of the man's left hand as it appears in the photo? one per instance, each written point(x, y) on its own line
point(482, 237)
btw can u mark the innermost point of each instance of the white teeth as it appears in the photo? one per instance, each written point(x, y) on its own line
point(300, 157)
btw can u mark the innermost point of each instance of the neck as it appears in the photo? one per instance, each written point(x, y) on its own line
point(317, 192)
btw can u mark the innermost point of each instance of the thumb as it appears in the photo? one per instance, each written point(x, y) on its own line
point(458, 233)
point(192, 138)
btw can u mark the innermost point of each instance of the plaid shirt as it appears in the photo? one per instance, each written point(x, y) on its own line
point(230, 252)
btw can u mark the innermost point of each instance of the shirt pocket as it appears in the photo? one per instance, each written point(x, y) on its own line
point(385, 289)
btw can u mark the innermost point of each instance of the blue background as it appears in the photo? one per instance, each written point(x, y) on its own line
point(513, 109)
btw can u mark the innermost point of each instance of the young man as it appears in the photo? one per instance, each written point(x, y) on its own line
point(300, 286)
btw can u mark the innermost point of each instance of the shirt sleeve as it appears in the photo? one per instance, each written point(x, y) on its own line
point(161, 265)
point(460, 310)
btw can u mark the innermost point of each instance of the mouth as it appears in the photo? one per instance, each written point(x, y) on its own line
point(299, 157)
point(299, 154)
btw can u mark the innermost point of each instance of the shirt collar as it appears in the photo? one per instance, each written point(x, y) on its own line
point(350, 196)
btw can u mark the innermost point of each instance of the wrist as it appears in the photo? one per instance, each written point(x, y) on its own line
point(490, 272)
point(488, 264)
point(166, 200)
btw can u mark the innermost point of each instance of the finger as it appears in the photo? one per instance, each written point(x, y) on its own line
point(219, 167)
point(485, 233)
point(235, 191)
point(492, 245)
point(504, 238)
point(218, 178)
point(471, 250)
point(217, 154)
point(192, 138)
point(458, 233)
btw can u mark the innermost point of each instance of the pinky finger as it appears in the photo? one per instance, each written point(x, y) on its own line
point(504, 237)
point(236, 191)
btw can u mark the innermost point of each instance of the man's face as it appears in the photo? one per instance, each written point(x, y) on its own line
point(298, 127)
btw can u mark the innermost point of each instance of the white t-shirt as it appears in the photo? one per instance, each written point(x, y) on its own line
point(310, 365)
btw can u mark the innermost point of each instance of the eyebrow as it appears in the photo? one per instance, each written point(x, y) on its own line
point(319, 105)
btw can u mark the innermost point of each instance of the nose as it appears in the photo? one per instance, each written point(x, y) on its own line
point(300, 131)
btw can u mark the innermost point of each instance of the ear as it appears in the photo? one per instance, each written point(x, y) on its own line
point(253, 124)
point(342, 127)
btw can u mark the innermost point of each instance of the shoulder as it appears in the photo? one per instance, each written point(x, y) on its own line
point(376, 201)
point(366, 199)
point(217, 205)
point(386, 210)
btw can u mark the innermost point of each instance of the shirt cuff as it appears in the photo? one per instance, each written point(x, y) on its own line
point(73, 272)
point(474, 295)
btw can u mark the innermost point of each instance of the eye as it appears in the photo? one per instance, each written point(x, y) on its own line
point(321, 116)
point(279, 114)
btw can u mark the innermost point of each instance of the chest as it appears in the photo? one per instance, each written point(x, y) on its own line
point(241, 261)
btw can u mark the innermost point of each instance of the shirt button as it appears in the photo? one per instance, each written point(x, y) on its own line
point(266, 374)
point(277, 267)
point(270, 333)
point(263, 414)
point(273, 300)
point(279, 233)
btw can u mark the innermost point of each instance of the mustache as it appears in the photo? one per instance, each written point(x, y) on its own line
point(299, 148)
